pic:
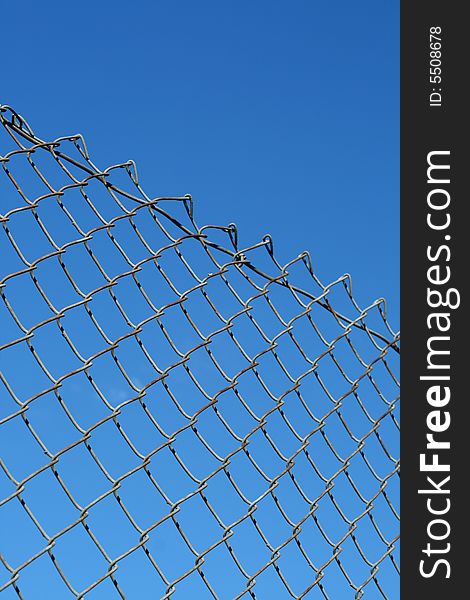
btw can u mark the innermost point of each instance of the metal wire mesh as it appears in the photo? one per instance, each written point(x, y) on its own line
point(181, 417)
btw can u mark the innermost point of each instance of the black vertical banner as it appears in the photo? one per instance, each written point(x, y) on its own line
point(435, 238)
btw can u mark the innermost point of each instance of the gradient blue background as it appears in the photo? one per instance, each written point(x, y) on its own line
point(280, 116)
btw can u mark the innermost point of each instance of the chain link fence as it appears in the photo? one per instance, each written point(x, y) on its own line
point(181, 417)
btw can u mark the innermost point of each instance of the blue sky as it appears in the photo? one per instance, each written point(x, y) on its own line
point(280, 117)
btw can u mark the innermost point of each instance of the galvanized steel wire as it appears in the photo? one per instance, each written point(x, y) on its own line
point(272, 396)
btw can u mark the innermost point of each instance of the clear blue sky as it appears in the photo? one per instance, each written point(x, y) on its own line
point(282, 117)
